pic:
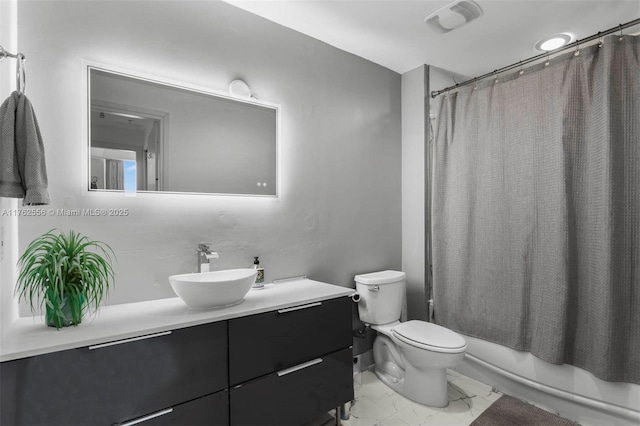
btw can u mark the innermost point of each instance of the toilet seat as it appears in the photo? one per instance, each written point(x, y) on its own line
point(432, 337)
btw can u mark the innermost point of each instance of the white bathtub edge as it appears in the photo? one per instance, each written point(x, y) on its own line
point(586, 411)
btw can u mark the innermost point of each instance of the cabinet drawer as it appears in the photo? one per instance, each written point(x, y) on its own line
point(210, 410)
point(296, 395)
point(264, 343)
point(108, 383)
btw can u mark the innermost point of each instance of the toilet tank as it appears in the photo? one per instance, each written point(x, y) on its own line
point(381, 296)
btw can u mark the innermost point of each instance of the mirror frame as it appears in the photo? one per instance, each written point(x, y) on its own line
point(87, 66)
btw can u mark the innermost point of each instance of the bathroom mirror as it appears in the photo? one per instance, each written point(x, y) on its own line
point(151, 135)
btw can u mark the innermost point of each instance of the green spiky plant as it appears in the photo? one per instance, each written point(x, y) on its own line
point(67, 273)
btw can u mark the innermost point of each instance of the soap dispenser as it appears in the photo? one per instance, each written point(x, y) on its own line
point(260, 277)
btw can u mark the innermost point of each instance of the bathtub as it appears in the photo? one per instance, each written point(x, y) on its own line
point(569, 391)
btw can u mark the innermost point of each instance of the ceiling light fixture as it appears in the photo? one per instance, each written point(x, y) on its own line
point(553, 42)
point(240, 88)
point(120, 114)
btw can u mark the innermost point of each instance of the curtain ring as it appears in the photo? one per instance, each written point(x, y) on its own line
point(497, 79)
point(599, 40)
point(620, 36)
point(475, 84)
point(547, 62)
point(521, 69)
point(577, 52)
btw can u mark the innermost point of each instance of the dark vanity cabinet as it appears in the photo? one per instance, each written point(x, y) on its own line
point(290, 366)
point(180, 375)
point(278, 368)
point(205, 411)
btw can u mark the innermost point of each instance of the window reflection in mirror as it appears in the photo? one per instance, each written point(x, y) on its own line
point(146, 135)
point(114, 169)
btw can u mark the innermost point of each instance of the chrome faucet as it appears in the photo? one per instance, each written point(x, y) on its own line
point(204, 256)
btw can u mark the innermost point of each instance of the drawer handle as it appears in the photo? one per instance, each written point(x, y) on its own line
point(149, 417)
point(297, 308)
point(299, 367)
point(133, 339)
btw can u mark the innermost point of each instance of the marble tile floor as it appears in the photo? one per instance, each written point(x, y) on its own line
point(377, 405)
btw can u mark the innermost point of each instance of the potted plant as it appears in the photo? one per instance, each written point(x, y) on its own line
point(67, 273)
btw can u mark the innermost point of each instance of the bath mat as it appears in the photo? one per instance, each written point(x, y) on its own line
point(508, 411)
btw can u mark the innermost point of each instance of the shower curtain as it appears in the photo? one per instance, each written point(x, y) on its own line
point(114, 174)
point(536, 210)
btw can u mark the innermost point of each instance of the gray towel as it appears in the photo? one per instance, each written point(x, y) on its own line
point(23, 172)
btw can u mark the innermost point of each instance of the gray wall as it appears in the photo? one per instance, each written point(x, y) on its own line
point(340, 209)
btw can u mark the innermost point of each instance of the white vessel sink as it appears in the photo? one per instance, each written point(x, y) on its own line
point(216, 289)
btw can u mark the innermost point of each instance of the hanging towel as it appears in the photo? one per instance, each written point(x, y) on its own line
point(23, 172)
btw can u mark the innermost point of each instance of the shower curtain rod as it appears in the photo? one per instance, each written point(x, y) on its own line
point(540, 56)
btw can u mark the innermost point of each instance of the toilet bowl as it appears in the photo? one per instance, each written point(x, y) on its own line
point(411, 357)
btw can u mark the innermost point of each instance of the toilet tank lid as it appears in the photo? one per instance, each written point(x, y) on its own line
point(430, 334)
point(382, 277)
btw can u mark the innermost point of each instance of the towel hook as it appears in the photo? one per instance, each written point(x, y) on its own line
point(21, 77)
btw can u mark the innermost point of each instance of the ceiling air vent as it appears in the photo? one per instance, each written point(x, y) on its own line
point(454, 15)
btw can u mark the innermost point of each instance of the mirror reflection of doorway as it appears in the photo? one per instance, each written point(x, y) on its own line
point(125, 150)
point(113, 169)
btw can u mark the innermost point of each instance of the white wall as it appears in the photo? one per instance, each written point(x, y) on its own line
point(340, 209)
point(8, 222)
point(414, 112)
point(440, 78)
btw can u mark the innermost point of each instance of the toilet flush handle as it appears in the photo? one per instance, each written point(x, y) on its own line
point(374, 288)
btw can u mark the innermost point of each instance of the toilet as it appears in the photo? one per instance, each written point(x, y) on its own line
point(411, 357)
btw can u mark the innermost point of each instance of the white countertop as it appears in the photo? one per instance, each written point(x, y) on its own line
point(30, 336)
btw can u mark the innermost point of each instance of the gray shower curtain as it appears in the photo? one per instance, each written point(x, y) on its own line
point(536, 210)
point(114, 170)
